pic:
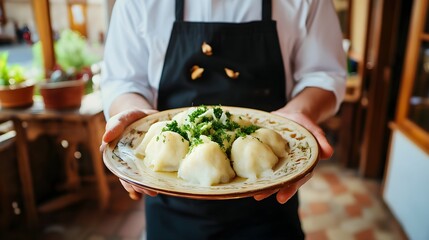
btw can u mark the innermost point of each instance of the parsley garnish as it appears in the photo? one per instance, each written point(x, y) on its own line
point(174, 127)
point(200, 110)
point(203, 123)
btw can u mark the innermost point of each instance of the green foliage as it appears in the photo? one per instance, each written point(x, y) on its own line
point(10, 75)
point(71, 52)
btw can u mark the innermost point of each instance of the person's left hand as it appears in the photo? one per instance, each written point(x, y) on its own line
point(114, 128)
point(326, 151)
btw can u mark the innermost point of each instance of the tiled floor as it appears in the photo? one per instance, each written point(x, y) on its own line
point(335, 204)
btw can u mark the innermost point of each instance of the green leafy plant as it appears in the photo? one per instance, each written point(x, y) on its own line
point(10, 75)
point(72, 56)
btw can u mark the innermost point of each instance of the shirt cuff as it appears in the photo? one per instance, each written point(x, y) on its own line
point(335, 83)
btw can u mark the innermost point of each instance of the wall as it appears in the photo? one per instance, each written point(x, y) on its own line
point(59, 15)
point(359, 15)
point(97, 20)
point(406, 189)
point(21, 12)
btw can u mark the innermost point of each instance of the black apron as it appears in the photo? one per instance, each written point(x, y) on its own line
point(252, 50)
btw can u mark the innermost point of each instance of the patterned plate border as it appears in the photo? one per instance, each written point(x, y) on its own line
point(302, 157)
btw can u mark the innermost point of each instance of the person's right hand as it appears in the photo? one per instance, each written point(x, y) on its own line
point(114, 128)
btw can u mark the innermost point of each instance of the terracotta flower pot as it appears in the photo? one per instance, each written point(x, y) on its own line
point(17, 96)
point(62, 95)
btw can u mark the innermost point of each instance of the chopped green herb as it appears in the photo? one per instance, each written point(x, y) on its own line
point(195, 142)
point(200, 110)
point(216, 125)
point(217, 111)
point(174, 127)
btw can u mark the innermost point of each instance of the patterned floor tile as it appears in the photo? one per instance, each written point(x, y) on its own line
point(318, 208)
point(382, 235)
point(345, 199)
point(316, 223)
point(353, 210)
point(355, 225)
point(363, 199)
point(367, 234)
point(338, 233)
point(355, 207)
point(339, 189)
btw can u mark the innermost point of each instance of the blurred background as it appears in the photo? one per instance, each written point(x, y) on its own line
point(53, 184)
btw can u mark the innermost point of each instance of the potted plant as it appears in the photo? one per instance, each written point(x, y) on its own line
point(16, 90)
point(64, 87)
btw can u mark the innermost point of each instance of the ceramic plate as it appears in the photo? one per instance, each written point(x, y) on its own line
point(301, 159)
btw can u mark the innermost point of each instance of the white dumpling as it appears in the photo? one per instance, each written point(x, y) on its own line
point(182, 117)
point(251, 158)
point(243, 121)
point(154, 130)
point(206, 165)
point(165, 151)
point(273, 139)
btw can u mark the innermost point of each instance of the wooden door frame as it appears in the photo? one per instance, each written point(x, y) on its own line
point(380, 55)
point(416, 38)
point(70, 3)
point(3, 17)
point(352, 113)
point(42, 15)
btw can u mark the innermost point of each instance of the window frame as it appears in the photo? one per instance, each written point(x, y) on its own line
point(415, 39)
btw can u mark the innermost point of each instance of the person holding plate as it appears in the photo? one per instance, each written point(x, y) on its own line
point(282, 56)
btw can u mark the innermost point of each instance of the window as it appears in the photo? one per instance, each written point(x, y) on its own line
point(413, 106)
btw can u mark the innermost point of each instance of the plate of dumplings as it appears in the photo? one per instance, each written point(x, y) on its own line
point(212, 152)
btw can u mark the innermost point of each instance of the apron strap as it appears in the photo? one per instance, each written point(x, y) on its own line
point(180, 8)
point(266, 10)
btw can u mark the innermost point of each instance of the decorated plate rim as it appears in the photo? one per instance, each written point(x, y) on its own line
point(131, 173)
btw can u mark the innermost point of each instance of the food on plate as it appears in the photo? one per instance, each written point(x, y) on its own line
point(273, 139)
point(206, 164)
point(241, 120)
point(210, 146)
point(155, 129)
point(251, 158)
point(165, 151)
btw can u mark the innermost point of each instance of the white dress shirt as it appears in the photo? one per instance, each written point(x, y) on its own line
point(309, 35)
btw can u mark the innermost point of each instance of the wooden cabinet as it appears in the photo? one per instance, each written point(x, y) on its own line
point(413, 106)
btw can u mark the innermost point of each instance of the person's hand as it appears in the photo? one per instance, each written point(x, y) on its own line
point(136, 192)
point(284, 193)
point(114, 128)
point(326, 151)
point(116, 125)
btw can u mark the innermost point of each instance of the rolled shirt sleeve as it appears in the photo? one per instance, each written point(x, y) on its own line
point(126, 56)
point(320, 60)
